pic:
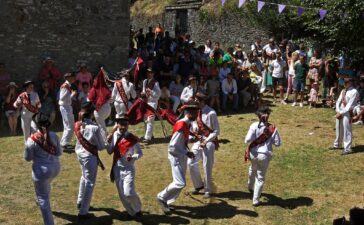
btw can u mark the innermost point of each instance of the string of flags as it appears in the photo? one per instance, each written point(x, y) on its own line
point(281, 7)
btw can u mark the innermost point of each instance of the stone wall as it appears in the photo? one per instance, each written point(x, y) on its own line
point(69, 31)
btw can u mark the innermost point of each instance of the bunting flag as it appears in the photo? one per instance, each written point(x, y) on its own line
point(260, 5)
point(281, 8)
point(223, 2)
point(322, 14)
point(241, 3)
point(300, 10)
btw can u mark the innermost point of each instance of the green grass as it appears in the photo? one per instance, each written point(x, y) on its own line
point(306, 183)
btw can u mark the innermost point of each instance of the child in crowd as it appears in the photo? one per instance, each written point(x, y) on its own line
point(10, 111)
point(314, 95)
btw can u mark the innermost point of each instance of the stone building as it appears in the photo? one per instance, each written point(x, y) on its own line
point(69, 31)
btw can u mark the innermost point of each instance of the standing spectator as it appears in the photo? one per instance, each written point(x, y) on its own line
point(140, 38)
point(257, 47)
point(159, 29)
point(208, 47)
point(224, 71)
point(50, 73)
point(213, 90)
point(270, 48)
point(47, 99)
point(4, 80)
point(10, 111)
point(149, 38)
point(291, 73)
point(244, 84)
point(279, 66)
point(315, 65)
point(239, 57)
point(313, 97)
point(302, 50)
point(301, 69)
point(83, 76)
point(217, 48)
point(230, 91)
point(256, 80)
point(176, 89)
point(215, 59)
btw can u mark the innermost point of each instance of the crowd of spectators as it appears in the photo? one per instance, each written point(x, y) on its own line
point(233, 78)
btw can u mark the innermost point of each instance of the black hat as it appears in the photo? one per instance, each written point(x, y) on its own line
point(200, 95)
point(150, 70)
point(263, 110)
point(87, 107)
point(26, 83)
point(71, 74)
point(41, 119)
point(190, 105)
point(122, 117)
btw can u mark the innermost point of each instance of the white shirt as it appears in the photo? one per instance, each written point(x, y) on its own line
point(135, 151)
point(229, 87)
point(351, 97)
point(265, 148)
point(128, 88)
point(65, 96)
point(209, 117)
point(269, 49)
point(34, 152)
point(177, 145)
point(155, 94)
point(92, 133)
point(187, 93)
point(34, 100)
point(278, 68)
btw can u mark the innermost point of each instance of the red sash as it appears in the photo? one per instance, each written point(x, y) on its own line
point(25, 100)
point(121, 149)
point(47, 146)
point(267, 133)
point(204, 129)
point(66, 86)
point(121, 90)
point(182, 126)
point(87, 145)
point(151, 84)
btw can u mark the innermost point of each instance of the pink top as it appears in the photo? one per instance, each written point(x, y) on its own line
point(52, 75)
point(83, 77)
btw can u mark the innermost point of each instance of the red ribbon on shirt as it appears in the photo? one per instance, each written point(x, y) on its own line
point(121, 90)
point(44, 143)
point(25, 100)
point(204, 129)
point(182, 126)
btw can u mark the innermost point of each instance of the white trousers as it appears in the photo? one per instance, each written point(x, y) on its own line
point(125, 183)
point(207, 157)
point(176, 101)
point(344, 132)
point(120, 107)
point(102, 115)
point(173, 190)
point(257, 172)
point(27, 124)
point(42, 175)
point(68, 124)
point(149, 128)
point(87, 182)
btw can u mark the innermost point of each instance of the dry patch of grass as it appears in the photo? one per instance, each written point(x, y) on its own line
point(149, 8)
point(306, 183)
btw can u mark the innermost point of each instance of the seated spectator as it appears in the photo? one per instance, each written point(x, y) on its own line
point(299, 82)
point(185, 67)
point(132, 57)
point(229, 58)
point(203, 68)
point(229, 91)
point(202, 84)
point(215, 59)
point(239, 57)
point(244, 84)
point(10, 111)
point(50, 73)
point(47, 99)
point(4, 80)
point(256, 80)
point(175, 89)
point(83, 93)
point(217, 49)
point(164, 98)
point(189, 92)
point(166, 70)
point(208, 47)
point(248, 62)
point(83, 76)
point(224, 71)
point(213, 90)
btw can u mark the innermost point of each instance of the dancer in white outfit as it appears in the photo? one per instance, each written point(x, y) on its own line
point(260, 137)
point(177, 155)
point(126, 150)
point(122, 93)
point(43, 149)
point(30, 103)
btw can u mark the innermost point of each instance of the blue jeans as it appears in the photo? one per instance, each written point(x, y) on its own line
point(235, 101)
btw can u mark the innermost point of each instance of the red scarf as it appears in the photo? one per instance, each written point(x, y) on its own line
point(267, 133)
point(25, 100)
point(44, 142)
point(86, 144)
point(100, 92)
point(182, 126)
point(204, 129)
point(121, 148)
point(121, 90)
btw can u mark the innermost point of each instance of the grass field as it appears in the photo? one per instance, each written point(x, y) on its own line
point(306, 183)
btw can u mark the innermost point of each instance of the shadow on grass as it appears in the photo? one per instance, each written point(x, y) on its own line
point(290, 203)
point(358, 149)
point(214, 211)
point(113, 214)
point(234, 195)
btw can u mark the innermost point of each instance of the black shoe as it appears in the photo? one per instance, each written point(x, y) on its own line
point(251, 191)
point(138, 214)
point(86, 216)
point(171, 207)
point(78, 205)
point(197, 190)
point(164, 206)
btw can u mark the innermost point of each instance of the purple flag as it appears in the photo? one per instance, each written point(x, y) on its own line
point(241, 3)
point(322, 14)
point(222, 2)
point(281, 8)
point(300, 11)
point(260, 5)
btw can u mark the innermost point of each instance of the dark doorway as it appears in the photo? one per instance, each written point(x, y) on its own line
point(182, 22)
